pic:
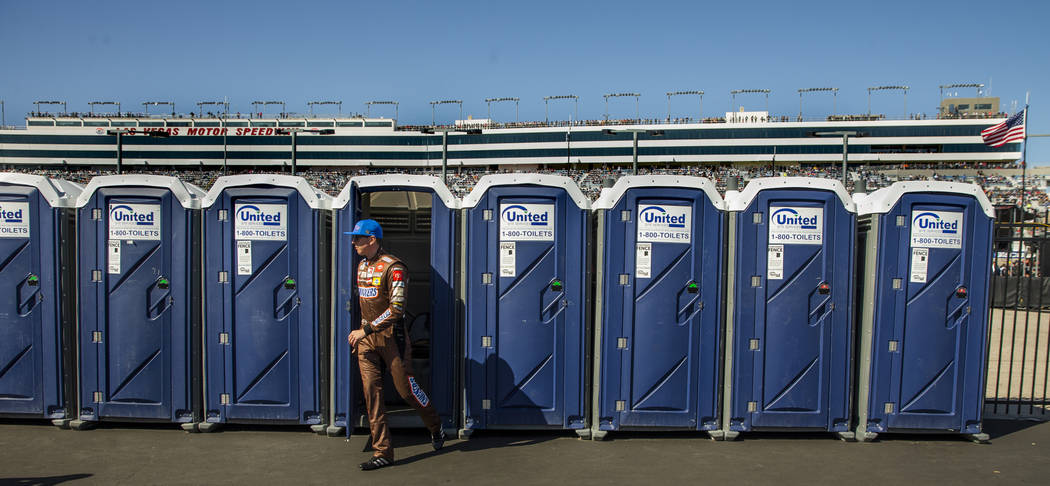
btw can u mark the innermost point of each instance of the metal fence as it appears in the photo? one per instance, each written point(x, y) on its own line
point(1019, 324)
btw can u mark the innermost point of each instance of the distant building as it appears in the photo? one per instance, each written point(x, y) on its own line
point(969, 107)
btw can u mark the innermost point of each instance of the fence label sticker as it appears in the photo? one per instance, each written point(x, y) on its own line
point(134, 221)
point(920, 262)
point(14, 220)
point(113, 256)
point(936, 229)
point(265, 222)
point(775, 263)
point(244, 257)
point(526, 222)
point(508, 263)
point(643, 260)
point(796, 226)
point(665, 223)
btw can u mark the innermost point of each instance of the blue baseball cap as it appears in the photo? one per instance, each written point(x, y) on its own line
point(367, 227)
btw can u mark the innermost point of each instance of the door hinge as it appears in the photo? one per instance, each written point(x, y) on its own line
point(96, 397)
point(224, 277)
point(625, 215)
point(898, 283)
point(893, 346)
point(757, 218)
point(96, 214)
point(621, 405)
point(224, 338)
point(96, 336)
point(486, 404)
point(486, 341)
point(349, 306)
point(486, 215)
point(223, 214)
point(96, 276)
point(756, 281)
point(888, 407)
point(224, 399)
point(753, 344)
point(902, 221)
point(486, 278)
point(752, 406)
point(621, 343)
point(625, 279)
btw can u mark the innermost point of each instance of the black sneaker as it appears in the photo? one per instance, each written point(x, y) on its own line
point(376, 463)
point(438, 439)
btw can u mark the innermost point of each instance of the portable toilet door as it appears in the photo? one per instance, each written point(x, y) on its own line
point(525, 254)
point(418, 217)
point(791, 281)
point(924, 316)
point(264, 243)
point(136, 235)
point(36, 254)
point(658, 305)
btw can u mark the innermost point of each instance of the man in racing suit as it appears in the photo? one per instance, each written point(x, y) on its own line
point(382, 340)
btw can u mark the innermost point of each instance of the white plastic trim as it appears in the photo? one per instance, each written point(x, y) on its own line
point(59, 193)
point(608, 198)
point(315, 198)
point(882, 200)
point(739, 201)
point(488, 181)
point(397, 180)
point(188, 195)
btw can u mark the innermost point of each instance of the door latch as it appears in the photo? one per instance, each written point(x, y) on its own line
point(961, 292)
point(289, 283)
point(693, 287)
point(33, 280)
point(556, 285)
point(824, 288)
point(163, 283)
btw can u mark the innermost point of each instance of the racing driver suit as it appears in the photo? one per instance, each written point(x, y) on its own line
point(381, 285)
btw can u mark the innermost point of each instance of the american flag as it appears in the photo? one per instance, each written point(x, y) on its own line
point(1011, 130)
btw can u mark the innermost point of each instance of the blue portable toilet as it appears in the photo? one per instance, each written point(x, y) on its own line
point(418, 215)
point(927, 248)
point(658, 305)
point(136, 237)
point(265, 254)
point(789, 317)
point(36, 243)
point(525, 257)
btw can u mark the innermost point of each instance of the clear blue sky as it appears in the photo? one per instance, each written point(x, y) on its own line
point(415, 52)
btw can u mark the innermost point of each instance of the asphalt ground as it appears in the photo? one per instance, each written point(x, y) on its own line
point(38, 453)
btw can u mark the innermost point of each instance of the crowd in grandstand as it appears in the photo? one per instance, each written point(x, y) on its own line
point(1002, 189)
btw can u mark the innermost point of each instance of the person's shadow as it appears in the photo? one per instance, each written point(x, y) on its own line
point(42, 481)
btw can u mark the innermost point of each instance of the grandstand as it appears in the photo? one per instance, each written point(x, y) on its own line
point(328, 151)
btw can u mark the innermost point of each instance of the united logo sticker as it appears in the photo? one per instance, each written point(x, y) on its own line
point(665, 223)
point(796, 226)
point(936, 229)
point(14, 220)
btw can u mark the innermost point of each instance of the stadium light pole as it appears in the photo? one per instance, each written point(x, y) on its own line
point(490, 101)
point(621, 95)
point(433, 109)
point(735, 92)
point(444, 145)
point(699, 93)
point(889, 88)
point(147, 104)
point(202, 104)
point(120, 132)
point(93, 104)
point(43, 102)
point(845, 134)
point(834, 95)
point(979, 86)
point(368, 107)
point(264, 104)
point(224, 114)
point(311, 104)
point(634, 137)
point(548, 99)
point(294, 132)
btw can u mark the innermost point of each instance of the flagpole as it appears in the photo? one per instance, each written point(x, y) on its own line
point(1024, 157)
